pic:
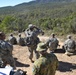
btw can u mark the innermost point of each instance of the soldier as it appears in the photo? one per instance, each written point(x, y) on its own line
point(47, 64)
point(12, 39)
point(32, 40)
point(32, 28)
point(69, 45)
point(20, 40)
point(52, 43)
point(6, 51)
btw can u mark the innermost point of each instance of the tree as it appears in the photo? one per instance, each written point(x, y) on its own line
point(7, 24)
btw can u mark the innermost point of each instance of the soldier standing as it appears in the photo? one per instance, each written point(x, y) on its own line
point(32, 40)
point(52, 43)
point(47, 64)
point(6, 51)
point(69, 45)
point(12, 39)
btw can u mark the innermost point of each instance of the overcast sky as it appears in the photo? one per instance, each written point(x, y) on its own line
point(11, 2)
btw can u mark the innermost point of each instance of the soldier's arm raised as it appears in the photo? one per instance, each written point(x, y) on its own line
point(39, 30)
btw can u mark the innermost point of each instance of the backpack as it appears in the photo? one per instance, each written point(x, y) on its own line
point(71, 44)
point(53, 42)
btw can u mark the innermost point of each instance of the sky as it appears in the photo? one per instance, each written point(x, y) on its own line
point(4, 3)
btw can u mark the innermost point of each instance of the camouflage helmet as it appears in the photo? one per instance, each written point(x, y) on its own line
point(69, 36)
point(41, 47)
point(30, 26)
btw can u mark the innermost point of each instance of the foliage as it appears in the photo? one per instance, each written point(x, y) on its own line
point(56, 17)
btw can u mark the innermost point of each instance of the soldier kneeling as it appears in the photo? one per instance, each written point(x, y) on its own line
point(69, 46)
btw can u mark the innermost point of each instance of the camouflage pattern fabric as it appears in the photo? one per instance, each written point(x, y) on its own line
point(27, 32)
point(69, 45)
point(20, 41)
point(6, 53)
point(32, 40)
point(32, 45)
point(1, 63)
point(31, 50)
point(52, 44)
point(32, 35)
point(36, 31)
point(12, 40)
point(45, 65)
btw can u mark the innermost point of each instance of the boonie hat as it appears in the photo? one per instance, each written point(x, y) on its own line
point(41, 47)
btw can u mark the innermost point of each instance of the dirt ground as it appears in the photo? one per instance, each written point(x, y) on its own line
point(67, 64)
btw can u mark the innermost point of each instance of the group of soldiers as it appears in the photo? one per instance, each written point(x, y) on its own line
point(12, 40)
point(69, 45)
point(46, 63)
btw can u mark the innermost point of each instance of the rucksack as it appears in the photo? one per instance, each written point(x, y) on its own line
point(71, 44)
point(53, 42)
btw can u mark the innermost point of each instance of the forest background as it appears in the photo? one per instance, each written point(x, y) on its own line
point(58, 16)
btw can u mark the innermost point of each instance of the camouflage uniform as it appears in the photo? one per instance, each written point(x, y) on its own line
point(1, 63)
point(69, 45)
point(20, 41)
point(34, 29)
point(6, 53)
point(46, 64)
point(12, 39)
point(32, 40)
point(52, 43)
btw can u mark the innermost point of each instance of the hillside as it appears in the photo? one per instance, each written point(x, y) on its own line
point(53, 15)
point(46, 1)
point(24, 7)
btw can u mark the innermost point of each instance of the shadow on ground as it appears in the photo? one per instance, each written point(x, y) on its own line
point(59, 51)
point(63, 51)
point(65, 66)
point(19, 64)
